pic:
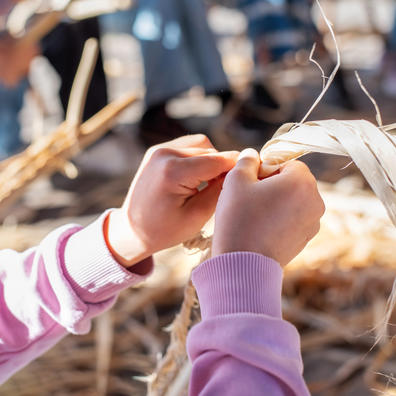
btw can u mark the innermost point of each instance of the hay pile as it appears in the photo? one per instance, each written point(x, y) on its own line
point(335, 292)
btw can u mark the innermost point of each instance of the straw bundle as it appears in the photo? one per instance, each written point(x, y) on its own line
point(332, 307)
point(371, 148)
point(51, 152)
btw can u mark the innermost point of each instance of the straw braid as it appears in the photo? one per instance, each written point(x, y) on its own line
point(176, 355)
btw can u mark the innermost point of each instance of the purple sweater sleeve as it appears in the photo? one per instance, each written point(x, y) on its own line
point(243, 346)
point(55, 288)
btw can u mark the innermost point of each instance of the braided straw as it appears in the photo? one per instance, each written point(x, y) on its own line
point(175, 358)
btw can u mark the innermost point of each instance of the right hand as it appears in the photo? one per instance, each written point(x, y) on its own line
point(275, 217)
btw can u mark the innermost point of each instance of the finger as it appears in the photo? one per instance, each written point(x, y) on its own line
point(189, 141)
point(167, 153)
point(204, 203)
point(247, 166)
point(194, 170)
point(294, 167)
point(193, 152)
point(267, 170)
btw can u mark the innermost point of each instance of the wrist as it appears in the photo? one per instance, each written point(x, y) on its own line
point(223, 244)
point(123, 242)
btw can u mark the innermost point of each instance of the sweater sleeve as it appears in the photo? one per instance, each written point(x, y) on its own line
point(243, 346)
point(55, 288)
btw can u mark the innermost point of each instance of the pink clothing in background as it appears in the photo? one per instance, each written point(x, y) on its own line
point(241, 347)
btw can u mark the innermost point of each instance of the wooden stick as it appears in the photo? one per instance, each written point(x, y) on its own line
point(81, 83)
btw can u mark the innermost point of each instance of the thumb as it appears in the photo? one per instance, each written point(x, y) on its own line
point(247, 166)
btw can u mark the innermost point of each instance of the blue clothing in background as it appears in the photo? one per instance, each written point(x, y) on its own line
point(62, 47)
point(392, 36)
point(282, 26)
point(11, 102)
point(178, 49)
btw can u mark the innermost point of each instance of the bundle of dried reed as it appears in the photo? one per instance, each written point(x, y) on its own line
point(51, 152)
point(334, 292)
point(371, 148)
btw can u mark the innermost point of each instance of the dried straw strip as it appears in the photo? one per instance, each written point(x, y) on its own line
point(175, 357)
point(373, 101)
point(43, 156)
point(104, 346)
point(167, 375)
point(370, 148)
point(335, 70)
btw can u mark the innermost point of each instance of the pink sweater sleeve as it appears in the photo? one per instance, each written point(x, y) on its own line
point(243, 346)
point(55, 288)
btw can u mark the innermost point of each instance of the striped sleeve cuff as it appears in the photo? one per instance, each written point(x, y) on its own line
point(239, 282)
point(92, 270)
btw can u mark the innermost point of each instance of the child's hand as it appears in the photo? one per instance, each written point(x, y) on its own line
point(164, 207)
point(275, 217)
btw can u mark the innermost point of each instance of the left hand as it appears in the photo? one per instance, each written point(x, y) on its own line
point(164, 206)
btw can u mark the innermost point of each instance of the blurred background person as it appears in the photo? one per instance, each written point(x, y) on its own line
point(179, 52)
point(279, 29)
point(389, 63)
point(63, 48)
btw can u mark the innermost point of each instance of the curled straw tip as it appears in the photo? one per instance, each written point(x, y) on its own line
point(373, 101)
point(335, 70)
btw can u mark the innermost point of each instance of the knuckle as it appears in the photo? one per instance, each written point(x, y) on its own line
point(164, 161)
point(202, 139)
point(296, 169)
point(151, 151)
point(159, 152)
point(302, 167)
point(231, 179)
point(307, 184)
point(301, 171)
point(290, 186)
point(237, 173)
point(296, 166)
point(169, 168)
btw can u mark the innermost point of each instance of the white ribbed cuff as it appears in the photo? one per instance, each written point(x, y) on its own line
point(92, 270)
